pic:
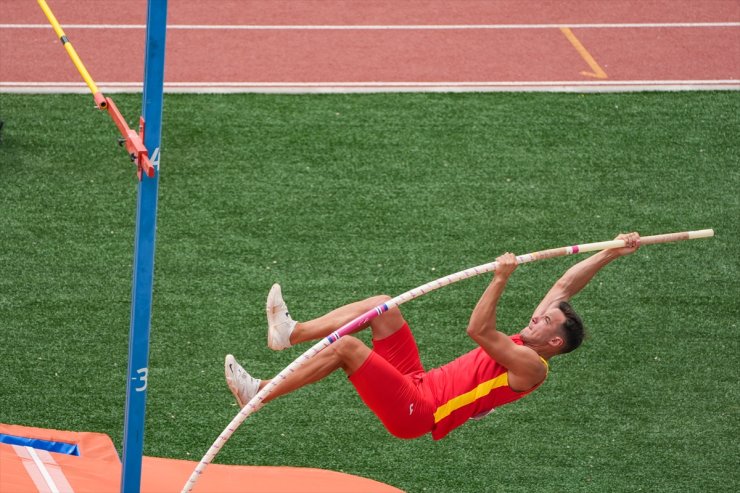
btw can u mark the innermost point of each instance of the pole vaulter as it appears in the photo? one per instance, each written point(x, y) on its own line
point(354, 325)
point(138, 146)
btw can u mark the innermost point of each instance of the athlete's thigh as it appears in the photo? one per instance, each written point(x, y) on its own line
point(399, 404)
point(400, 350)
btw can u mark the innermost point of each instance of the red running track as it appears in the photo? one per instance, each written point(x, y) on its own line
point(380, 45)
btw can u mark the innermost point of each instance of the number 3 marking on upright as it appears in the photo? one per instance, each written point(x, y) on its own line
point(143, 373)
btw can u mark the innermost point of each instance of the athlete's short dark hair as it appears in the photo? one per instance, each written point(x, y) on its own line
point(572, 328)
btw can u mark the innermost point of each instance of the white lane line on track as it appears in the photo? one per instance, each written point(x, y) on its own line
point(380, 84)
point(368, 87)
point(408, 27)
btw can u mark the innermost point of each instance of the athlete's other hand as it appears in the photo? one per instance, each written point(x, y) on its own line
point(632, 241)
point(506, 264)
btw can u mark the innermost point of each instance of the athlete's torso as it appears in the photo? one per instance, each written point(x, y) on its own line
point(469, 387)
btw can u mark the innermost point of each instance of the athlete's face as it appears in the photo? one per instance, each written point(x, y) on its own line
point(545, 328)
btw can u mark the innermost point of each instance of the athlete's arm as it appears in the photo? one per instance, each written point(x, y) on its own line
point(578, 276)
point(521, 361)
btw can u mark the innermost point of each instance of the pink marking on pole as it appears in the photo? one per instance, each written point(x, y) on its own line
point(575, 248)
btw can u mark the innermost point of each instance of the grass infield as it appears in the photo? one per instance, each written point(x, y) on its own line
point(338, 197)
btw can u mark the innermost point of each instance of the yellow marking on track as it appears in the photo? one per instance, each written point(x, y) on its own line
point(598, 72)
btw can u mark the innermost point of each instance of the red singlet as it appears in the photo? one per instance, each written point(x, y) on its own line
point(411, 403)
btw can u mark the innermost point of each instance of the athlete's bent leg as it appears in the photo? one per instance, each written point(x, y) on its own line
point(382, 326)
point(348, 353)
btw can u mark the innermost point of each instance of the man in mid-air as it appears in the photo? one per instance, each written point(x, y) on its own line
point(390, 378)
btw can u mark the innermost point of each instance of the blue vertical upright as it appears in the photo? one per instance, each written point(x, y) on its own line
point(143, 275)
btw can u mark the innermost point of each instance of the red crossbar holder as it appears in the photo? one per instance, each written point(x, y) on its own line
point(134, 142)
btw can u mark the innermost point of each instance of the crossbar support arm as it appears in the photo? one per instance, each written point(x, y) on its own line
point(134, 142)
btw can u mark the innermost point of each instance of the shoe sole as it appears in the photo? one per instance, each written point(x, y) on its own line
point(228, 372)
point(268, 309)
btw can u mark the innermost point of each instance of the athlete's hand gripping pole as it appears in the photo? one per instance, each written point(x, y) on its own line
point(354, 325)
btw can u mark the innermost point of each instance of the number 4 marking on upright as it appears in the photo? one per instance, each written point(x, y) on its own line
point(155, 159)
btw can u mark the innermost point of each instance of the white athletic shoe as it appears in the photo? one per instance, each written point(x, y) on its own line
point(279, 324)
point(240, 383)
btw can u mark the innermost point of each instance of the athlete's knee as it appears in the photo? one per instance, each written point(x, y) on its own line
point(382, 299)
point(379, 299)
point(389, 321)
point(347, 347)
point(351, 352)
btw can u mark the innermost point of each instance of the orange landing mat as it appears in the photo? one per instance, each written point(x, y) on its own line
point(25, 469)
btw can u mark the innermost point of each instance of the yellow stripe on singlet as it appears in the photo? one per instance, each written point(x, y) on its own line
point(480, 391)
point(463, 400)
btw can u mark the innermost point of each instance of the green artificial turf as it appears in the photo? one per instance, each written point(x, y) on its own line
point(339, 197)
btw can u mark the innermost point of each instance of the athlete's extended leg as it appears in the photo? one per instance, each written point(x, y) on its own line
point(284, 332)
point(348, 353)
point(403, 408)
